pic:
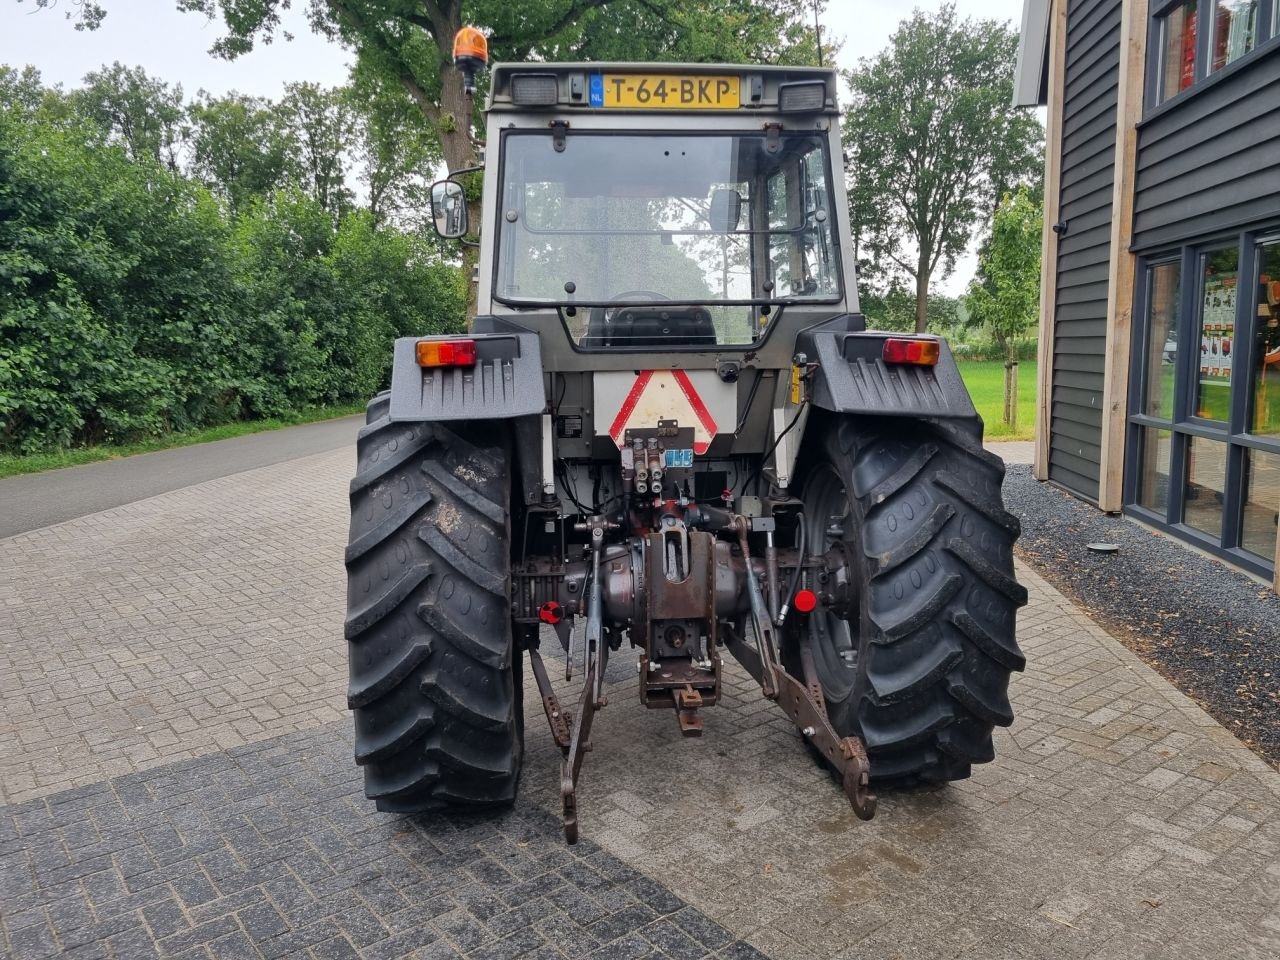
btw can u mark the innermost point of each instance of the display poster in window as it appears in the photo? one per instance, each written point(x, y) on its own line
point(1188, 73)
point(1217, 326)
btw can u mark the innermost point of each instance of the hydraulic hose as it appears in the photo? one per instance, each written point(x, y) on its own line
point(802, 543)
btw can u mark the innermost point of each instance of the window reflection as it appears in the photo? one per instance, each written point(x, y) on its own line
point(1219, 289)
point(1178, 49)
point(1261, 503)
point(1265, 376)
point(1162, 343)
point(1235, 31)
point(1206, 482)
point(1153, 483)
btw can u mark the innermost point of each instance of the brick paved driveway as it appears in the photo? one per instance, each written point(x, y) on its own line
point(175, 761)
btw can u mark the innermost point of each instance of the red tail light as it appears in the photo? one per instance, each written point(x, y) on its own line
point(446, 353)
point(923, 353)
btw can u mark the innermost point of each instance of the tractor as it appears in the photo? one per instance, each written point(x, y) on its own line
point(668, 431)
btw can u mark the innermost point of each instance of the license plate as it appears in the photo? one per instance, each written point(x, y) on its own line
point(655, 91)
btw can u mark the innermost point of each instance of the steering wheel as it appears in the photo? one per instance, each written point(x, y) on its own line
point(597, 313)
point(639, 295)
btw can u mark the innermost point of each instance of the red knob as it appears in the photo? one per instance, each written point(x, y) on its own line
point(549, 612)
point(806, 600)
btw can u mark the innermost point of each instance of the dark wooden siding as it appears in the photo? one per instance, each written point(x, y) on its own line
point(1211, 162)
point(1084, 252)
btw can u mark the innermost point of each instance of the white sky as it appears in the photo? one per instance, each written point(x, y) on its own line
point(174, 47)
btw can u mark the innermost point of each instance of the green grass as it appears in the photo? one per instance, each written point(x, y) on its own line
point(14, 464)
point(985, 380)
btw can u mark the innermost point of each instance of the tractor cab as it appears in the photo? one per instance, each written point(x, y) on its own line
point(659, 207)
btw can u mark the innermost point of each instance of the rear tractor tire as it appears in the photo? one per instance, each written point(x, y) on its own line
point(919, 664)
point(435, 684)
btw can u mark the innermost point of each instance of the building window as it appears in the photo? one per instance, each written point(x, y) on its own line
point(1235, 31)
point(1264, 387)
point(1220, 287)
point(1163, 295)
point(1154, 460)
point(1204, 427)
point(1206, 485)
point(1177, 50)
point(1195, 39)
point(1261, 510)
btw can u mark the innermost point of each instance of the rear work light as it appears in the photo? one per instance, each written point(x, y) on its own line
point(534, 89)
point(446, 353)
point(807, 95)
point(922, 353)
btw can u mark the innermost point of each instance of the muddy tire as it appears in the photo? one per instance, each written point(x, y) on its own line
point(434, 685)
point(919, 663)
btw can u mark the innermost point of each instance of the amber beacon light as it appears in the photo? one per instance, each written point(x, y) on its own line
point(470, 55)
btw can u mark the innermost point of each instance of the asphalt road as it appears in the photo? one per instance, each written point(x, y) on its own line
point(40, 499)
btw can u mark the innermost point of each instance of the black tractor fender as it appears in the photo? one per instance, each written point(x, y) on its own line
point(848, 374)
point(504, 382)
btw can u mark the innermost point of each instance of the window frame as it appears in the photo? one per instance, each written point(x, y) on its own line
point(1184, 424)
point(498, 223)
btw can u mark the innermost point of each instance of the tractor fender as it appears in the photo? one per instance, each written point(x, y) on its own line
point(504, 382)
point(851, 376)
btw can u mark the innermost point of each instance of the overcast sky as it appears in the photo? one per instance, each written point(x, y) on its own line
point(174, 47)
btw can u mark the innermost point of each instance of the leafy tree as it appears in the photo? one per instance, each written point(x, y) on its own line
point(933, 142)
point(134, 302)
point(22, 90)
point(322, 126)
point(111, 280)
point(894, 308)
point(1005, 295)
point(242, 147)
point(702, 31)
point(143, 114)
point(86, 14)
point(394, 149)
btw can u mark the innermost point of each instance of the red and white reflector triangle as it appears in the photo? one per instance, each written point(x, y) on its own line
point(664, 395)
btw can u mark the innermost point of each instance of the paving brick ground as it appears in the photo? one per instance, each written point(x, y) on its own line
point(269, 850)
point(176, 762)
point(172, 627)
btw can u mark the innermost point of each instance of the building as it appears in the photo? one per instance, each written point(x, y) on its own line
point(1159, 357)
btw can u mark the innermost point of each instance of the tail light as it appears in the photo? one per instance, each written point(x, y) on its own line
point(922, 353)
point(446, 353)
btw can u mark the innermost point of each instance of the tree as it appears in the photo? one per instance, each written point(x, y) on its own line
point(242, 147)
point(1005, 295)
point(394, 149)
point(933, 142)
point(22, 90)
point(144, 115)
point(322, 127)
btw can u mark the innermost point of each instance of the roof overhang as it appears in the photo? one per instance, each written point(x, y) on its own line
point(1031, 79)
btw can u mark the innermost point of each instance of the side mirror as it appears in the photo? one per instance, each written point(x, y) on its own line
point(449, 209)
point(726, 211)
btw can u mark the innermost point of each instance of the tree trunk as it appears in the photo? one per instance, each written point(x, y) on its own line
point(922, 292)
point(1011, 388)
point(458, 147)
